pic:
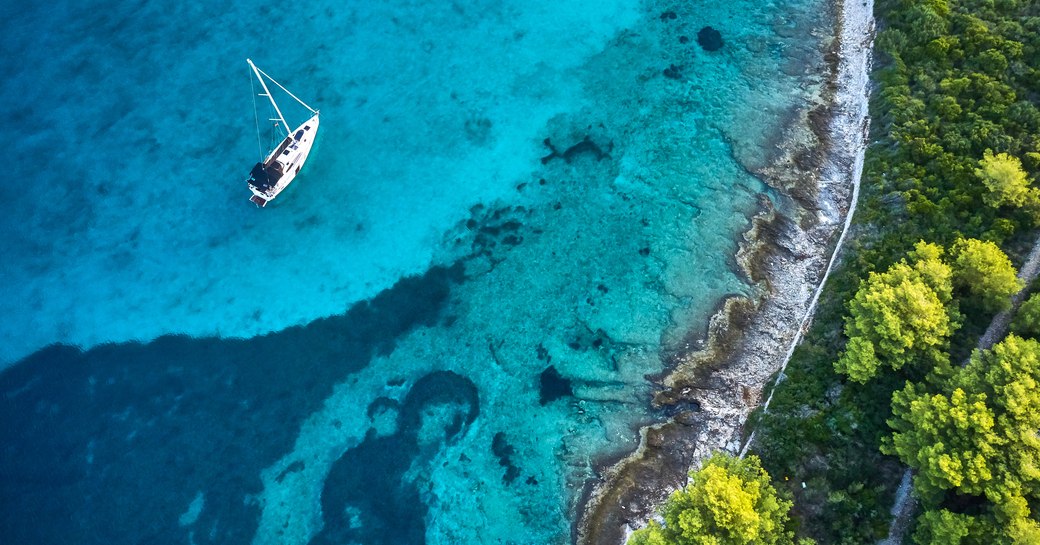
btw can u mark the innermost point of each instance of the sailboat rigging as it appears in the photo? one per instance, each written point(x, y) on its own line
point(272, 175)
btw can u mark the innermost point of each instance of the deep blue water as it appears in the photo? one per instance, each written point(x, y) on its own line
point(437, 331)
point(111, 445)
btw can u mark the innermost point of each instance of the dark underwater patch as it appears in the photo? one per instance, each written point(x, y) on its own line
point(585, 147)
point(552, 386)
point(111, 445)
point(366, 498)
point(710, 39)
point(504, 451)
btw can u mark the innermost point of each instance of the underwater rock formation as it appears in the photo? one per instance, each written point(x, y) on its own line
point(553, 386)
point(710, 39)
point(585, 146)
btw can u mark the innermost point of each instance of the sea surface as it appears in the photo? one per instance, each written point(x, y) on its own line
point(515, 213)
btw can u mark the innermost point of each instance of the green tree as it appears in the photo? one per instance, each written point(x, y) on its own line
point(949, 440)
point(1027, 320)
point(729, 501)
point(981, 269)
point(942, 527)
point(900, 316)
point(985, 526)
point(1003, 176)
point(1008, 376)
point(978, 442)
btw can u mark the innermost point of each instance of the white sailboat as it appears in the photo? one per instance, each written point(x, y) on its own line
point(272, 175)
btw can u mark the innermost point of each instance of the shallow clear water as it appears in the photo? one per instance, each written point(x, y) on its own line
point(434, 334)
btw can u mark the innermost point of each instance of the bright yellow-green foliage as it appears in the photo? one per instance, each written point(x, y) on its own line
point(943, 527)
point(980, 440)
point(1021, 530)
point(947, 439)
point(651, 535)
point(729, 501)
point(1009, 376)
point(900, 316)
point(859, 361)
point(984, 271)
point(1006, 181)
point(989, 527)
point(904, 316)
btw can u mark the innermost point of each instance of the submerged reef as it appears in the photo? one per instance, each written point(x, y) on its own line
point(553, 386)
point(504, 451)
point(351, 512)
point(143, 428)
point(710, 39)
point(586, 146)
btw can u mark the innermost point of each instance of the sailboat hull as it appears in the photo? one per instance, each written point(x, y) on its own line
point(280, 168)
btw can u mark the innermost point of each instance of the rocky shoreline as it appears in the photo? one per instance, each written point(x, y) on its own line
point(788, 253)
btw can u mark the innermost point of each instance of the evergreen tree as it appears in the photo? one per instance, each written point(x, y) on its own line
point(729, 501)
point(900, 317)
point(1003, 176)
point(1027, 320)
point(1008, 376)
point(982, 270)
point(948, 439)
point(978, 443)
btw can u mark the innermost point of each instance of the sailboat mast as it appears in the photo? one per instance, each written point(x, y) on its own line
point(288, 92)
point(267, 93)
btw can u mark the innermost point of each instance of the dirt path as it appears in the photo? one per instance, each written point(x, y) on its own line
point(904, 506)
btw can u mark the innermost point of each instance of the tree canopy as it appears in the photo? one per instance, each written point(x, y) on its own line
point(905, 316)
point(900, 316)
point(1027, 320)
point(729, 501)
point(948, 439)
point(945, 527)
point(1009, 376)
point(955, 154)
point(977, 441)
point(1003, 176)
point(982, 270)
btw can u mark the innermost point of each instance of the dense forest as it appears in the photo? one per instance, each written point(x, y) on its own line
point(890, 377)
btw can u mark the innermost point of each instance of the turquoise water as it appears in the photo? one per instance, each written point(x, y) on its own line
point(437, 331)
